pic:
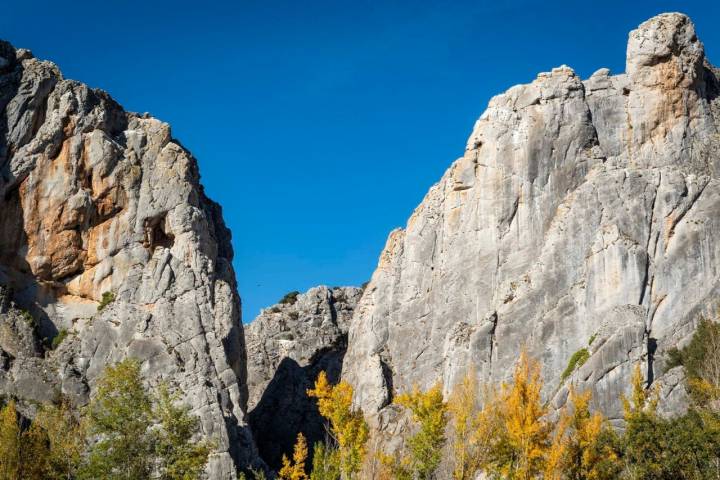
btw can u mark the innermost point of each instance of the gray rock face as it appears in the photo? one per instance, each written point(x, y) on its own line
point(94, 199)
point(580, 210)
point(288, 345)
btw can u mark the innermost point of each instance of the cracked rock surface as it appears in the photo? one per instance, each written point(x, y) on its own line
point(583, 214)
point(288, 345)
point(93, 200)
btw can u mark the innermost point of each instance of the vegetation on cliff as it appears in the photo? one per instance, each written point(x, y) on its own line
point(507, 431)
point(126, 433)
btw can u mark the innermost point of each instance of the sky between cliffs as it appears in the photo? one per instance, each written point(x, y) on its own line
point(320, 125)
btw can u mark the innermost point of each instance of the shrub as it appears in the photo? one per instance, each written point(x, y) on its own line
point(107, 299)
point(701, 356)
point(577, 360)
point(28, 318)
point(290, 298)
point(58, 339)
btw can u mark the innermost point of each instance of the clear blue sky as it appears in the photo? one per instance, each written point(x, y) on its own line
point(320, 125)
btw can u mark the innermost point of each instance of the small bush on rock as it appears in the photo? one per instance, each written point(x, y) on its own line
point(59, 338)
point(290, 298)
point(107, 299)
point(577, 360)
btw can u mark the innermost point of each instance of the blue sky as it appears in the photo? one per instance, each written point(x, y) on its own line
point(320, 125)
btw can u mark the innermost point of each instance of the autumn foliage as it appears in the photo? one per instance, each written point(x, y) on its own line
point(347, 427)
point(295, 469)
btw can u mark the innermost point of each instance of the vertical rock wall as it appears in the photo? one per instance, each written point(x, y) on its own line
point(582, 215)
point(93, 200)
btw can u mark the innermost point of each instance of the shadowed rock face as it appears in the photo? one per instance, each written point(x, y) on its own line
point(288, 345)
point(94, 199)
point(580, 209)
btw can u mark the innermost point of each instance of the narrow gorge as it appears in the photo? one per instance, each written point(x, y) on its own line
point(580, 222)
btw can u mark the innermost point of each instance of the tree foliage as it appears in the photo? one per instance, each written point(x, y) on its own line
point(524, 439)
point(295, 469)
point(50, 449)
point(325, 464)
point(583, 446)
point(126, 433)
point(347, 425)
point(63, 437)
point(429, 412)
point(177, 456)
point(464, 419)
point(135, 434)
point(120, 416)
point(10, 437)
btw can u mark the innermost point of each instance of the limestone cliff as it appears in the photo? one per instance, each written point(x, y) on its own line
point(95, 200)
point(288, 345)
point(583, 215)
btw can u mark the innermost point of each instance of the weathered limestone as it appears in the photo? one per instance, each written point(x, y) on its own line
point(94, 199)
point(580, 210)
point(288, 345)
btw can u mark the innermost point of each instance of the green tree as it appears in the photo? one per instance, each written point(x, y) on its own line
point(429, 412)
point(120, 417)
point(178, 456)
point(326, 464)
point(136, 435)
point(686, 447)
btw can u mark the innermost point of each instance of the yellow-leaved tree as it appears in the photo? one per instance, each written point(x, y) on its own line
point(348, 428)
point(583, 443)
point(463, 408)
point(521, 450)
point(10, 438)
point(64, 435)
point(295, 470)
point(641, 401)
point(473, 430)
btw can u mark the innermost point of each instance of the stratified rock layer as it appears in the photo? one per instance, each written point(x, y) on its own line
point(93, 200)
point(584, 214)
point(288, 345)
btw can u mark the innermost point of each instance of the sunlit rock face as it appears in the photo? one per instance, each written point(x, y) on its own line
point(288, 345)
point(583, 214)
point(94, 199)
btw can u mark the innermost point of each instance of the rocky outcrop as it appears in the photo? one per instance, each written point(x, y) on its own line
point(288, 345)
point(95, 200)
point(583, 214)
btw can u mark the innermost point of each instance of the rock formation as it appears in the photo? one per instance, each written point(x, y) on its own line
point(288, 345)
point(95, 200)
point(583, 215)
